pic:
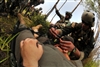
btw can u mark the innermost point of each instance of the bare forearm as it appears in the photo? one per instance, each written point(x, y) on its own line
point(33, 64)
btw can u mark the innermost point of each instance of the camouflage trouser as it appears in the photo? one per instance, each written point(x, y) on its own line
point(51, 57)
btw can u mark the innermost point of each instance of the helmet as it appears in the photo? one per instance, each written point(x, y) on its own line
point(40, 8)
point(88, 18)
point(42, 1)
point(69, 14)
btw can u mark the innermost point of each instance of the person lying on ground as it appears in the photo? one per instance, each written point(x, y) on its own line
point(48, 55)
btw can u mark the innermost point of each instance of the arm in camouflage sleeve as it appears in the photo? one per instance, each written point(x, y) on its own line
point(58, 13)
point(90, 45)
point(63, 31)
point(68, 29)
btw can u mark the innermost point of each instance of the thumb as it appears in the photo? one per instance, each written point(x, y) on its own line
point(21, 44)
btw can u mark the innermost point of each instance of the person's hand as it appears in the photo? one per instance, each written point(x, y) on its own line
point(54, 32)
point(36, 29)
point(66, 45)
point(31, 52)
point(69, 46)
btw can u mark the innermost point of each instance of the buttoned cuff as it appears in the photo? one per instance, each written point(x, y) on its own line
point(81, 56)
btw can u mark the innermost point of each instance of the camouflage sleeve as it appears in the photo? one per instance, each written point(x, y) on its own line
point(90, 45)
point(70, 28)
point(58, 13)
point(66, 30)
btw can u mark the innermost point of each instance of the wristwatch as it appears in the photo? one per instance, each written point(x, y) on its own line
point(74, 50)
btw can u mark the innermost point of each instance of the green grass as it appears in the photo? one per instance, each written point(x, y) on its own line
point(4, 47)
point(92, 64)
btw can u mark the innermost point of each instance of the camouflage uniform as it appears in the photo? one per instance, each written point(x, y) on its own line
point(63, 22)
point(83, 40)
point(82, 33)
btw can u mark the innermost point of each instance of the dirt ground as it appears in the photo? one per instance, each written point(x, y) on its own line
point(2, 56)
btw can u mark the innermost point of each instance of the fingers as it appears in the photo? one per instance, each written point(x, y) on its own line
point(64, 48)
point(29, 42)
point(65, 51)
point(37, 27)
point(66, 42)
point(21, 44)
point(53, 31)
point(31, 51)
point(67, 45)
point(29, 45)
